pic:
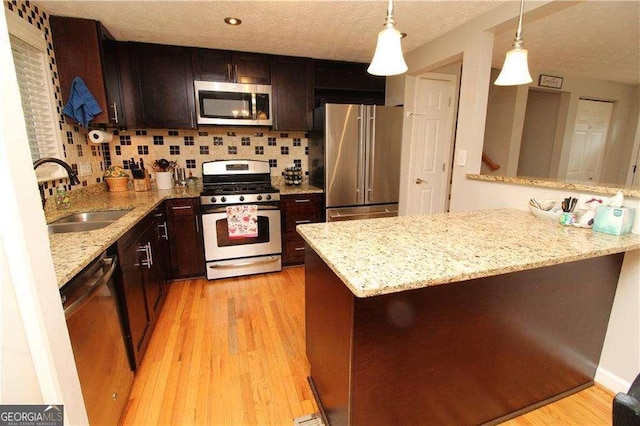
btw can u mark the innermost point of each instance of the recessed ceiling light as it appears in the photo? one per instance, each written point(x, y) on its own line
point(232, 21)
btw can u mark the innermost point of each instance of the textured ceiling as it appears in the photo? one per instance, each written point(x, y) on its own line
point(598, 39)
point(339, 30)
point(595, 39)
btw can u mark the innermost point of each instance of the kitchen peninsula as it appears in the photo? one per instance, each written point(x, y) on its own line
point(460, 318)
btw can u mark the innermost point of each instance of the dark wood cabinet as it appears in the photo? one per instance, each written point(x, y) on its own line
point(230, 66)
point(163, 253)
point(296, 210)
point(346, 83)
point(185, 237)
point(84, 48)
point(164, 85)
point(141, 286)
point(292, 86)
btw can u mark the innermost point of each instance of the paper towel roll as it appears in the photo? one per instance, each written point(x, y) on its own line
point(98, 136)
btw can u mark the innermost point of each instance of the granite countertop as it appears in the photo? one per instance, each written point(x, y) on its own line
point(389, 255)
point(627, 191)
point(304, 188)
point(72, 251)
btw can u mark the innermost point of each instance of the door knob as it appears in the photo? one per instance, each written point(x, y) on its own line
point(419, 181)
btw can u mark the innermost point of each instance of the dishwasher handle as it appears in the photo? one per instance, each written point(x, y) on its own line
point(110, 264)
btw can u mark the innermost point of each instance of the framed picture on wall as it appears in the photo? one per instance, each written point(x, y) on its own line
point(550, 81)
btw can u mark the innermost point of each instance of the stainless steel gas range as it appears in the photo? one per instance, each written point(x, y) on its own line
point(240, 218)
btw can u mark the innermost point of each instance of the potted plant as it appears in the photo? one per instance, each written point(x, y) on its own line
point(117, 179)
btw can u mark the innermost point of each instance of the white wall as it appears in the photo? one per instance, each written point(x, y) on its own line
point(621, 358)
point(34, 340)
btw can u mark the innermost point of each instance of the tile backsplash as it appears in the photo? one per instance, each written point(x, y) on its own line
point(190, 148)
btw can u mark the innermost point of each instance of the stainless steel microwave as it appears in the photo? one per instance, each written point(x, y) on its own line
point(233, 103)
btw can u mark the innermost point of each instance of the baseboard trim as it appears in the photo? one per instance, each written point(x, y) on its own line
point(610, 381)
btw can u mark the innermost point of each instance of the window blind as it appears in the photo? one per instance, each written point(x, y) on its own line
point(33, 80)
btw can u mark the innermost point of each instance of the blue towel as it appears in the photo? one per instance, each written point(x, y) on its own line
point(82, 105)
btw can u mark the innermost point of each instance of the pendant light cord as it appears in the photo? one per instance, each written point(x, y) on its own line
point(389, 21)
point(518, 43)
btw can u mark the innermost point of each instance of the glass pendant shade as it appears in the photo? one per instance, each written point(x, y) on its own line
point(515, 70)
point(388, 59)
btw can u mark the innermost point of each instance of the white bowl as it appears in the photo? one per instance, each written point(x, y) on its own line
point(544, 214)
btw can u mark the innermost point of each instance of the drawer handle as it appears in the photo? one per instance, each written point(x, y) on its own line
point(298, 222)
point(180, 207)
point(299, 249)
point(306, 200)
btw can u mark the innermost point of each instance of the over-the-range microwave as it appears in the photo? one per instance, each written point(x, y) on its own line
point(232, 103)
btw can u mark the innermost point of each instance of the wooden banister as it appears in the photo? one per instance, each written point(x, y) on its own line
point(493, 166)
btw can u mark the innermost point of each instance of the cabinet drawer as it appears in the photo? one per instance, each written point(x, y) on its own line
point(294, 248)
point(300, 217)
point(301, 202)
point(182, 207)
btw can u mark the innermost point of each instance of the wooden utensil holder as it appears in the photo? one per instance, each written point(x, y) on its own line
point(143, 184)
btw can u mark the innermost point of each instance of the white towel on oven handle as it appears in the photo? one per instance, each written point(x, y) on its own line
point(242, 221)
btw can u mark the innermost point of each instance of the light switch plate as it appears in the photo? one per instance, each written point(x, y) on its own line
point(461, 158)
point(84, 168)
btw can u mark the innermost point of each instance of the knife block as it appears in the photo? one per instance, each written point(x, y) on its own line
point(142, 184)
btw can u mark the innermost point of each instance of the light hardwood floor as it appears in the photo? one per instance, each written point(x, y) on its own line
point(232, 352)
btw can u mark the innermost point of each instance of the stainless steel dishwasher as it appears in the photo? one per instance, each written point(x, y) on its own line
point(95, 329)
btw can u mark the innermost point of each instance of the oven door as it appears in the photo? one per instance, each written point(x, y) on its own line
point(219, 246)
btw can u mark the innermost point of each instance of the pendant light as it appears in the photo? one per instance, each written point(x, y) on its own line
point(515, 70)
point(388, 59)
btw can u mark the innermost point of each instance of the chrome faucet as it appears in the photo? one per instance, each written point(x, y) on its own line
point(73, 177)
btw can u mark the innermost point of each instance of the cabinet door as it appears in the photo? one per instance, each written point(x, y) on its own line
point(251, 68)
point(163, 256)
point(185, 238)
point(165, 84)
point(212, 65)
point(112, 82)
point(134, 298)
point(77, 49)
point(292, 93)
point(346, 76)
point(152, 282)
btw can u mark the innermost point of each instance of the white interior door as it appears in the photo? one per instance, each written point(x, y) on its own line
point(589, 140)
point(431, 128)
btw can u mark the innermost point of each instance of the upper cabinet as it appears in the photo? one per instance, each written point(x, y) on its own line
point(230, 66)
point(164, 84)
point(292, 88)
point(84, 48)
point(346, 82)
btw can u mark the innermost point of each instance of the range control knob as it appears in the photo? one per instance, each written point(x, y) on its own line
point(268, 196)
point(223, 199)
point(242, 198)
point(213, 199)
point(259, 197)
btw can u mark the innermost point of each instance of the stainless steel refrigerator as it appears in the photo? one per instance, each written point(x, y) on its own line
point(354, 155)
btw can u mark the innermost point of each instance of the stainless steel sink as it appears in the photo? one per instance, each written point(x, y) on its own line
point(87, 221)
point(100, 216)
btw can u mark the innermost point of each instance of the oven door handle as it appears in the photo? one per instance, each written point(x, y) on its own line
point(269, 259)
point(224, 209)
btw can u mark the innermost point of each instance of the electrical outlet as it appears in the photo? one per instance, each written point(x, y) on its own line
point(461, 159)
point(84, 169)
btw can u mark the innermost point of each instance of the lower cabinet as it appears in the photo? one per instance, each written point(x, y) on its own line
point(141, 286)
point(296, 210)
point(163, 256)
point(186, 245)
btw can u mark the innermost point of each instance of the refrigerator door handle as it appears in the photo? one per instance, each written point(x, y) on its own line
point(362, 138)
point(372, 152)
